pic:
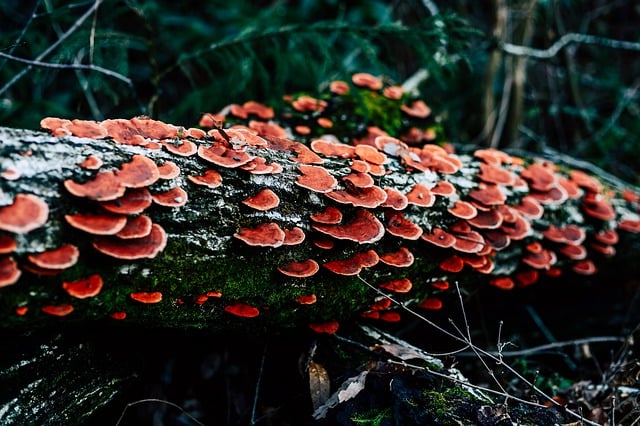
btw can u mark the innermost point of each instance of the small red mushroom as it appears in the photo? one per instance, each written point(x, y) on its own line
point(421, 196)
point(503, 283)
point(92, 162)
point(147, 297)
point(431, 303)
point(307, 299)
point(363, 79)
point(354, 264)
point(440, 238)
point(58, 310)
point(402, 285)
point(330, 327)
point(463, 210)
point(453, 263)
point(118, 315)
point(26, 213)
point(402, 227)
point(83, 288)
point(242, 310)
point(293, 236)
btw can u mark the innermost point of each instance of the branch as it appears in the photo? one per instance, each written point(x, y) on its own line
point(565, 40)
point(62, 38)
point(89, 67)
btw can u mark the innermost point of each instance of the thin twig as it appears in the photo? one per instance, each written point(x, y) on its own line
point(480, 351)
point(16, 43)
point(161, 401)
point(51, 48)
point(90, 67)
point(258, 382)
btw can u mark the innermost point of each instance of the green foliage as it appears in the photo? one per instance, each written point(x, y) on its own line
point(183, 60)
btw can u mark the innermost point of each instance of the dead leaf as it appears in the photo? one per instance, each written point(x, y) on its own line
point(319, 386)
point(350, 388)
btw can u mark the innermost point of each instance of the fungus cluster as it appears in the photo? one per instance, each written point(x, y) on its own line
point(383, 202)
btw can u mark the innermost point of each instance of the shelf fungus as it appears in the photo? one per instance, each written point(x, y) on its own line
point(289, 210)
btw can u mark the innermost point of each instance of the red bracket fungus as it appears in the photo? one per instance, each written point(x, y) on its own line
point(105, 186)
point(369, 197)
point(136, 227)
point(7, 244)
point(315, 178)
point(307, 299)
point(97, 224)
point(209, 178)
point(302, 269)
point(264, 235)
point(364, 228)
point(242, 310)
point(168, 170)
point(329, 216)
point(26, 213)
point(330, 327)
point(147, 297)
point(135, 248)
point(401, 258)
point(58, 310)
point(401, 227)
point(402, 285)
point(431, 303)
point(293, 236)
point(84, 288)
point(9, 272)
point(61, 258)
point(420, 196)
point(222, 156)
point(134, 201)
point(264, 200)
point(354, 264)
point(174, 197)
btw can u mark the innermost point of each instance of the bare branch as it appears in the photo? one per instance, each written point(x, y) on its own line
point(89, 67)
point(53, 46)
point(565, 40)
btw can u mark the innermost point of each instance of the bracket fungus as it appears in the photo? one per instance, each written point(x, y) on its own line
point(26, 213)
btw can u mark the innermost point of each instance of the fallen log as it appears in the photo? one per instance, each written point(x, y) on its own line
point(271, 222)
point(151, 223)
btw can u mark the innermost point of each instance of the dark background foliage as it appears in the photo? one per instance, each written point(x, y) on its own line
point(176, 60)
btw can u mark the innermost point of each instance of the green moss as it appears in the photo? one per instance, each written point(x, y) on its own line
point(372, 417)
